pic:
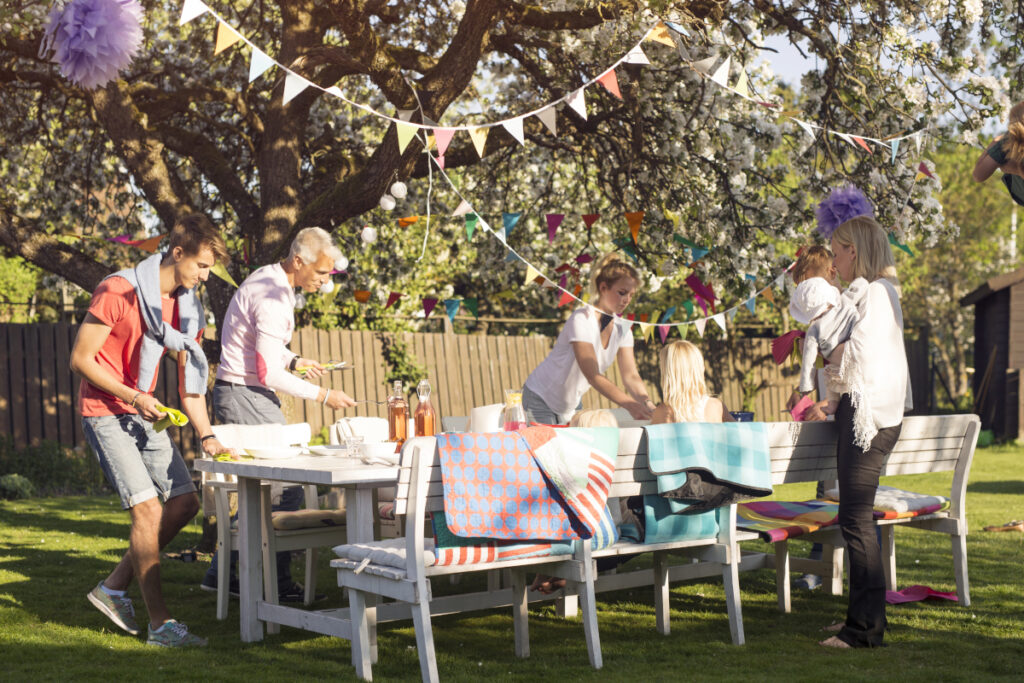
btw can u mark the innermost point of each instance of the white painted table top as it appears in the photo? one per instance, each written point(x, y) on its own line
point(305, 469)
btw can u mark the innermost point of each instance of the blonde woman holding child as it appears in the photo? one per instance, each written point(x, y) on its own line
point(586, 347)
point(1006, 153)
point(684, 389)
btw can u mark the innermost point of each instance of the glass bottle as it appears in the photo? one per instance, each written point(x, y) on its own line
point(513, 416)
point(398, 415)
point(424, 415)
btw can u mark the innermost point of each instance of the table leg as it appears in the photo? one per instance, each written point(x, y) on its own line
point(359, 518)
point(250, 560)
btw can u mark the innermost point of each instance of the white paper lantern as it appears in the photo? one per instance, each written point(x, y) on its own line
point(300, 301)
point(327, 287)
point(399, 190)
point(369, 235)
point(387, 202)
point(341, 264)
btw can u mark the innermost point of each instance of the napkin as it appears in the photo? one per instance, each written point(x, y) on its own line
point(172, 417)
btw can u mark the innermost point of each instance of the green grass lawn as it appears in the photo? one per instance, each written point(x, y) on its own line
point(54, 550)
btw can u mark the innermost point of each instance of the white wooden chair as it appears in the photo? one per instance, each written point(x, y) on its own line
point(305, 529)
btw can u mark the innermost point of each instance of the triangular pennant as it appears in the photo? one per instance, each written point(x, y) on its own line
point(471, 221)
point(190, 10)
point(807, 128)
point(407, 221)
point(428, 307)
point(151, 244)
point(462, 209)
point(719, 319)
point(566, 298)
point(577, 101)
point(451, 307)
point(443, 137)
point(515, 129)
point(697, 253)
point(472, 306)
point(406, 132)
point(510, 257)
point(705, 65)
point(220, 271)
point(361, 295)
point(589, 219)
point(924, 169)
point(919, 177)
point(293, 85)
point(660, 34)
point(899, 245)
point(860, 141)
point(731, 313)
point(584, 259)
point(610, 82)
point(509, 221)
point(635, 219)
point(751, 305)
point(688, 305)
point(721, 75)
point(259, 62)
point(549, 117)
point(917, 140)
point(699, 323)
point(700, 288)
point(636, 56)
point(531, 274)
point(663, 331)
point(678, 28)
point(554, 220)
point(226, 37)
point(895, 144)
point(741, 84)
point(769, 294)
point(646, 330)
point(405, 114)
point(846, 137)
point(479, 138)
point(667, 315)
point(684, 331)
point(393, 298)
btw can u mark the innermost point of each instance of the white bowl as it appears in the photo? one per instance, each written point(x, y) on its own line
point(278, 453)
point(379, 452)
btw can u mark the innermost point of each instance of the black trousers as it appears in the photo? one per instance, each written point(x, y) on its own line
point(858, 481)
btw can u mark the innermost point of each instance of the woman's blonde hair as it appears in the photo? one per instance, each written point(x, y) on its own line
point(874, 255)
point(1014, 146)
point(609, 270)
point(682, 380)
point(594, 418)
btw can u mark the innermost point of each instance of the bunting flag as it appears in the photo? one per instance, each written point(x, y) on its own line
point(428, 307)
point(472, 305)
point(221, 271)
point(584, 259)
point(471, 221)
point(226, 37)
point(660, 34)
point(807, 128)
point(730, 315)
point(577, 101)
point(462, 209)
point(293, 85)
point(361, 295)
point(663, 332)
point(509, 221)
point(407, 221)
point(783, 346)
point(442, 138)
point(700, 288)
point(451, 307)
point(705, 65)
point(899, 245)
point(719, 319)
point(741, 84)
point(699, 323)
point(515, 129)
point(393, 298)
point(769, 294)
point(531, 274)
point(405, 114)
point(610, 82)
point(190, 10)
point(589, 219)
point(150, 244)
point(646, 330)
point(406, 132)
point(721, 75)
point(627, 247)
point(566, 298)
point(479, 138)
point(860, 141)
point(751, 305)
point(895, 147)
point(688, 305)
point(549, 117)
point(635, 56)
point(259, 63)
point(669, 312)
point(634, 218)
point(553, 220)
point(922, 168)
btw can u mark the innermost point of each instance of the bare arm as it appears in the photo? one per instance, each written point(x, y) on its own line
point(587, 361)
point(90, 339)
point(986, 165)
point(715, 411)
point(631, 377)
point(661, 414)
point(194, 406)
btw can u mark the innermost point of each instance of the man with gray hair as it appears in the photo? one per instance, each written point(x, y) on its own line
point(255, 362)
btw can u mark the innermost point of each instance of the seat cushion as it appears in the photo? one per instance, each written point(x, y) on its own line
point(389, 552)
point(307, 519)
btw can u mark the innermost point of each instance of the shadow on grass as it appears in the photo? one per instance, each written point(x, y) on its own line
point(1001, 487)
point(85, 516)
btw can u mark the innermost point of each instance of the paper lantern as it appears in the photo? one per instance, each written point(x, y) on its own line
point(399, 190)
point(369, 235)
point(840, 206)
point(387, 202)
point(300, 301)
point(92, 40)
point(341, 264)
point(327, 287)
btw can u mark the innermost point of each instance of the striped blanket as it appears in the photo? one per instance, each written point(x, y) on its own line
point(519, 494)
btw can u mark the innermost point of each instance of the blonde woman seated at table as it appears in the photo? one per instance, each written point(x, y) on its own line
point(684, 389)
point(586, 347)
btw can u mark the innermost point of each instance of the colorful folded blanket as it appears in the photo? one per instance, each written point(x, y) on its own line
point(710, 465)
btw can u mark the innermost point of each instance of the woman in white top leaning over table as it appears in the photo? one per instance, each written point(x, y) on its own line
point(587, 346)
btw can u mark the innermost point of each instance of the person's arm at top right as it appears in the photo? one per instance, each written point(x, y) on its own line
point(90, 339)
point(987, 164)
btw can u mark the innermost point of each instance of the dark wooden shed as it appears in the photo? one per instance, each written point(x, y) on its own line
point(999, 352)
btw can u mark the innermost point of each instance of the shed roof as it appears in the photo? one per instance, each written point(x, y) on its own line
point(993, 285)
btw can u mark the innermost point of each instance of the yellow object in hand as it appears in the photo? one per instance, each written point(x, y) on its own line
point(172, 417)
point(327, 367)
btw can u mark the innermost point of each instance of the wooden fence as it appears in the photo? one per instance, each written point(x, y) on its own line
point(38, 392)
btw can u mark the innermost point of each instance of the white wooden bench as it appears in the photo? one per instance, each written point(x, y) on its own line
point(420, 492)
point(806, 452)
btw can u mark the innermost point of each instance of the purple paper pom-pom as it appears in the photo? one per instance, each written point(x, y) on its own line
point(839, 207)
point(93, 39)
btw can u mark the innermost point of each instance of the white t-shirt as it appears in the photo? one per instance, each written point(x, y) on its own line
point(558, 379)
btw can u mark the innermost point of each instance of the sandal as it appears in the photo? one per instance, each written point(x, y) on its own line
point(1015, 525)
point(836, 642)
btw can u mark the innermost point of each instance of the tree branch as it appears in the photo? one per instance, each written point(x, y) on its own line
point(31, 242)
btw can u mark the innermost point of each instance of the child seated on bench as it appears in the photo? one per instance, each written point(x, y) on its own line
point(684, 390)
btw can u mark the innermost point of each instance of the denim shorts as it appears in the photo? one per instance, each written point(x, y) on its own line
point(139, 462)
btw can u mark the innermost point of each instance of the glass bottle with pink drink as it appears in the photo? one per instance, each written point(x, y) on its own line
point(513, 416)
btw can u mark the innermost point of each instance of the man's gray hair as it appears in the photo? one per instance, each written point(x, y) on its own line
point(311, 242)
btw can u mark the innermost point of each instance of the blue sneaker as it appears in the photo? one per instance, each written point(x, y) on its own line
point(118, 610)
point(174, 634)
point(808, 582)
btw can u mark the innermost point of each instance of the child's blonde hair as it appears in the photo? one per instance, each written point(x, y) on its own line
point(814, 261)
point(874, 255)
point(594, 418)
point(1014, 146)
point(609, 270)
point(682, 380)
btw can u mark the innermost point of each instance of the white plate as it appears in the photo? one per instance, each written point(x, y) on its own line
point(279, 453)
point(336, 449)
point(391, 459)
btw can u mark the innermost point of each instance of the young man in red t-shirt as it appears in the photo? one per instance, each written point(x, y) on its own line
point(118, 412)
